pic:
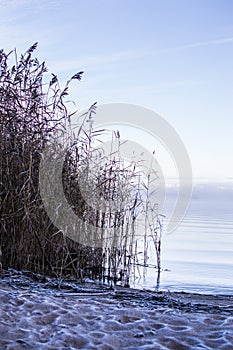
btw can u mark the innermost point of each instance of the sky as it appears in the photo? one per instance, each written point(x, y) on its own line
point(174, 57)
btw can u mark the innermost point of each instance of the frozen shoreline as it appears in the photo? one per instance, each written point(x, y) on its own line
point(95, 317)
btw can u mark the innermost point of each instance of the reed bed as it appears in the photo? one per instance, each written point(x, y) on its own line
point(107, 193)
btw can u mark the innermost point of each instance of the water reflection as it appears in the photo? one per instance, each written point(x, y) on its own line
point(198, 256)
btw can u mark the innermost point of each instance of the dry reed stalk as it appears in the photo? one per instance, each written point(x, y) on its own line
point(31, 114)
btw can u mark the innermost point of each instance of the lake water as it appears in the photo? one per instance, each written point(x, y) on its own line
point(198, 256)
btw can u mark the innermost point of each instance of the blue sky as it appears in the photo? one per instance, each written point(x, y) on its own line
point(175, 57)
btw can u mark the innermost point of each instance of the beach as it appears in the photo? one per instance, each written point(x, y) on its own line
point(39, 315)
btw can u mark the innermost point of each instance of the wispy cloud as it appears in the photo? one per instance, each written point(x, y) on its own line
point(207, 43)
point(181, 84)
point(13, 9)
point(95, 62)
point(19, 24)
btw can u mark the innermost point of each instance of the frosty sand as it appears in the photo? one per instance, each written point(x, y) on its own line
point(96, 317)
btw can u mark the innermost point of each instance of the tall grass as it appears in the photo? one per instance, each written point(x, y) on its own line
point(104, 191)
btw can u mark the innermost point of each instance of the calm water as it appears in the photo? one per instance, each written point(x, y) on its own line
point(199, 254)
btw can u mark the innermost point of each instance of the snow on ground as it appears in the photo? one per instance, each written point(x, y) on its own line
point(39, 318)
